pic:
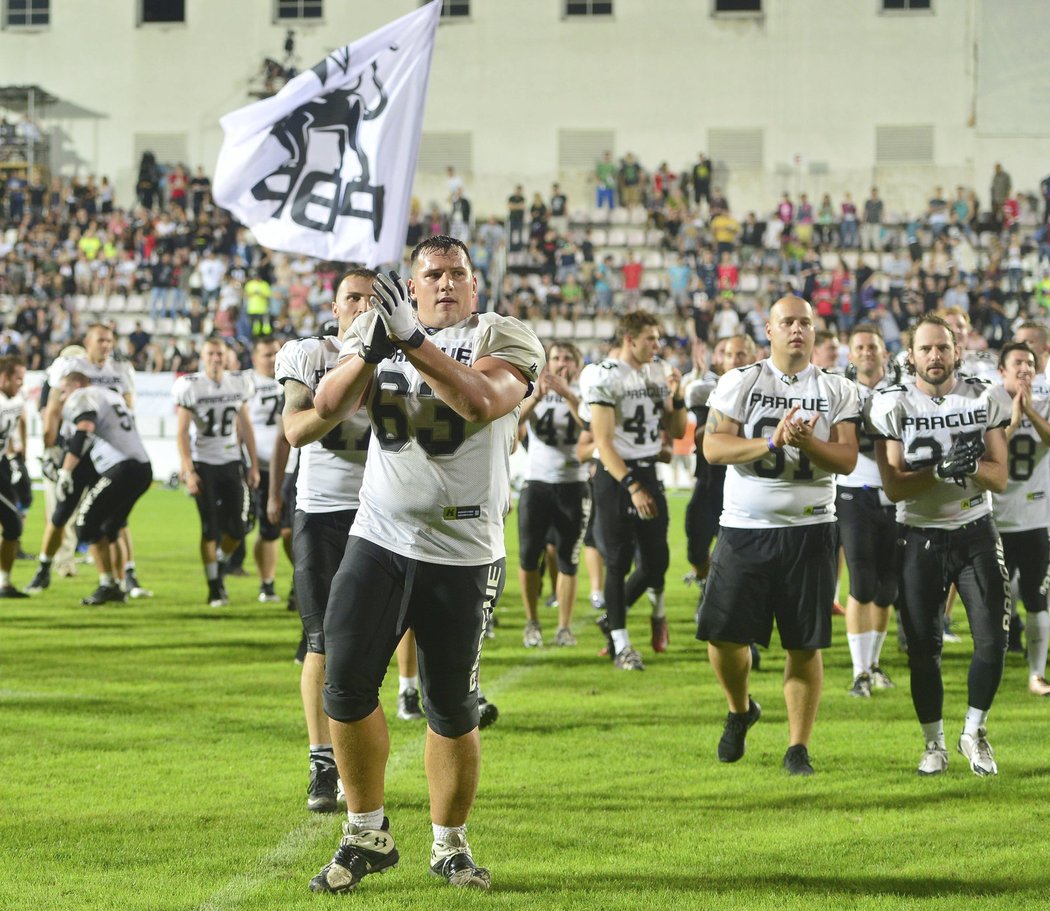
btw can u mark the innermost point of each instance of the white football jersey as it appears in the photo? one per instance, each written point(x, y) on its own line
point(266, 403)
point(111, 373)
point(697, 392)
point(926, 427)
point(982, 364)
point(636, 396)
point(11, 409)
point(116, 438)
point(552, 435)
point(1024, 504)
point(783, 488)
point(214, 407)
point(437, 486)
point(330, 469)
point(866, 474)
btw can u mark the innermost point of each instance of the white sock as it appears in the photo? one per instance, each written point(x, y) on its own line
point(975, 719)
point(129, 567)
point(372, 820)
point(858, 652)
point(1038, 634)
point(404, 684)
point(656, 599)
point(620, 640)
point(877, 639)
point(267, 581)
point(5, 579)
point(933, 732)
point(442, 833)
point(45, 560)
point(221, 555)
point(597, 598)
point(105, 578)
point(211, 571)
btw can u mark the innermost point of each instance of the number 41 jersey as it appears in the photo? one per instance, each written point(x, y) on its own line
point(926, 427)
point(214, 406)
point(784, 488)
point(437, 486)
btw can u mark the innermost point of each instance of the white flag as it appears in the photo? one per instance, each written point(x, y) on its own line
point(325, 166)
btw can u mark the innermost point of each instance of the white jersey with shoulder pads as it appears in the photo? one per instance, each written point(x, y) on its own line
point(696, 393)
point(437, 487)
point(982, 364)
point(636, 396)
point(784, 488)
point(552, 434)
point(1025, 504)
point(330, 469)
point(214, 405)
point(866, 474)
point(11, 409)
point(926, 427)
point(265, 405)
point(111, 373)
point(116, 438)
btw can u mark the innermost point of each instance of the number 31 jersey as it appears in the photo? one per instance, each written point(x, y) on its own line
point(926, 426)
point(332, 468)
point(783, 488)
point(437, 486)
point(214, 406)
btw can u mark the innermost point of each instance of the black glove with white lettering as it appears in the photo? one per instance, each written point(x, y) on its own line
point(378, 346)
point(961, 460)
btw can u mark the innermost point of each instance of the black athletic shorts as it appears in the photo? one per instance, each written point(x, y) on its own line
point(703, 514)
point(267, 530)
point(761, 574)
point(106, 506)
point(1028, 554)
point(588, 534)
point(319, 540)
point(10, 514)
point(84, 476)
point(376, 596)
point(868, 533)
point(224, 503)
point(559, 508)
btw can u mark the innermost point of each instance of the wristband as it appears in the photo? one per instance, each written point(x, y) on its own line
point(677, 404)
point(769, 443)
point(626, 481)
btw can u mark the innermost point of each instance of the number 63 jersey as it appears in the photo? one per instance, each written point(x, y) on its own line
point(783, 488)
point(926, 426)
point(437, 486)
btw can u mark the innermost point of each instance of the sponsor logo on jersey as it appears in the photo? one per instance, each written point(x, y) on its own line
point(818, 404)
point(451, 513)
point(975, 418)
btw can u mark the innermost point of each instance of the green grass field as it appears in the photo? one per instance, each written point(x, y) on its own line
point(153, 756)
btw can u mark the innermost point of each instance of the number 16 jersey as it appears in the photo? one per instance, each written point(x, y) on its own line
point(784, 488)
point(214, 406)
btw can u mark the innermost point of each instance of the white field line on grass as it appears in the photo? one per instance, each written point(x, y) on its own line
point(306, 836)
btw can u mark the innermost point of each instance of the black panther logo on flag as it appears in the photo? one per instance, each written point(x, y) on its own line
point(318, 136)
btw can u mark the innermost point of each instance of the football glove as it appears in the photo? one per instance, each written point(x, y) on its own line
point(64, 484)
point(391, 301)
point(961, 460)
point(50, 462)
point(378, 346)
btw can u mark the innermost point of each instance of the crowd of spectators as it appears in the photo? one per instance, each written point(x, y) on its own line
point(196, 272)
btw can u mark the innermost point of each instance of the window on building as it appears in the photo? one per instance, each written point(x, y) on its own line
point(287, 10)
point(27, 13)
point(160, 11)
point(452, 9)
point(723, 7)
point(588, 7)
point(898, 6)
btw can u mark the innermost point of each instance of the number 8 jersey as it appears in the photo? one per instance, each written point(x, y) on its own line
point(926, 426)
point(437, 486)
point(784, 488)
point(1024, 506)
